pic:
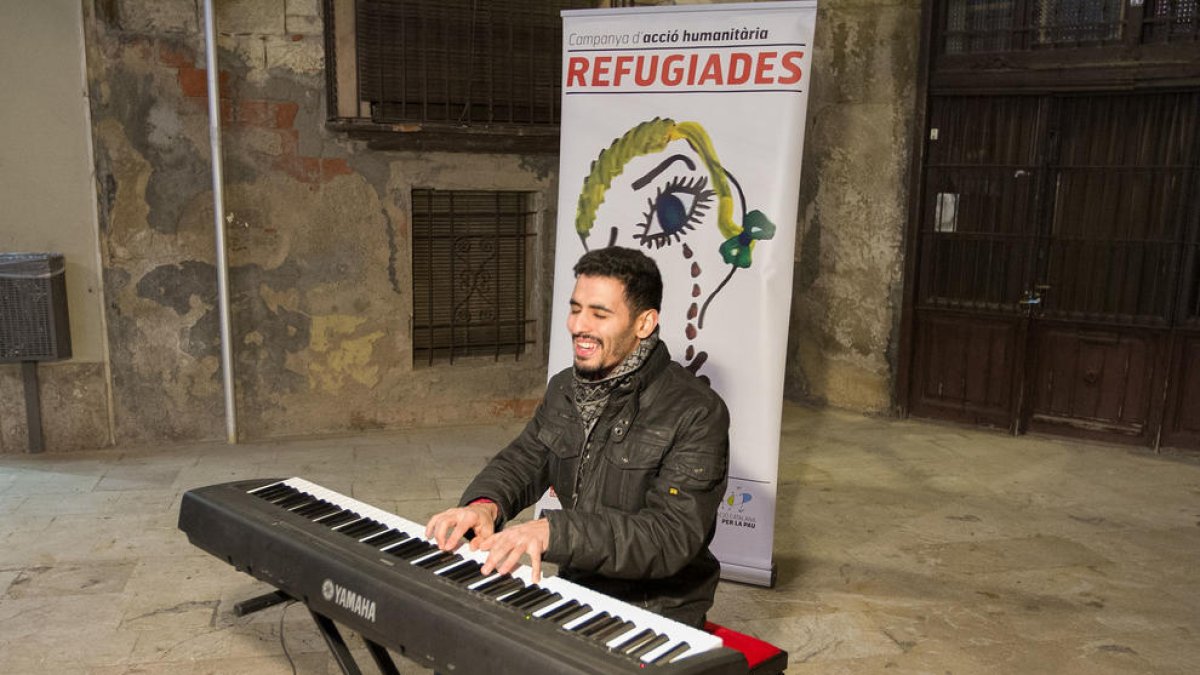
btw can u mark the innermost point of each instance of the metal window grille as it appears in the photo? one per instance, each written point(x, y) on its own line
point(1121, 188)
point(1087, 200)
point(980, 26)
point(1172, 21)
point(461, 62)
point(470, 252)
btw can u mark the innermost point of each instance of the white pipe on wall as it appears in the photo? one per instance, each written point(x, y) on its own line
point(214, 134)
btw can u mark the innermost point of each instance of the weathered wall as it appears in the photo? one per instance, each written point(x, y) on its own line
point(47, 204)
point(317, 229)
point(846, 301)
point(318, 234)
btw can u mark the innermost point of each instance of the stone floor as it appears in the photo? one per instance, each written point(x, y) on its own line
point(902, 546)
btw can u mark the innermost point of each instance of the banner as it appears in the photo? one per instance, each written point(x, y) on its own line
point(682, 136)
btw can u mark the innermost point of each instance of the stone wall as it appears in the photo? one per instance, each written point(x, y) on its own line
point(317, 236)
point(846, 299)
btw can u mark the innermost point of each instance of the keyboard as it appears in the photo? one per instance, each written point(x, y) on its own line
point(374, 572)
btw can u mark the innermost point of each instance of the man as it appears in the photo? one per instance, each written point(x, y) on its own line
point(635, 447)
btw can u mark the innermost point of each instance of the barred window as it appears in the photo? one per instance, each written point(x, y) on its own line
point(460, 66)
point(985, 26)
point(470, 252)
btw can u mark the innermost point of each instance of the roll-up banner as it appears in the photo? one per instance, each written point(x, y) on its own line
point(682, 136)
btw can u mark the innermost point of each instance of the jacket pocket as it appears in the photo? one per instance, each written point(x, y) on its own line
point(562, 454)
point(631, 467)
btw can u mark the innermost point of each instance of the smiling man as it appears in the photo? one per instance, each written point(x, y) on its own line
point(635, 447)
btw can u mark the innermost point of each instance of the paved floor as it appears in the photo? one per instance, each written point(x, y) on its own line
point(902, 546)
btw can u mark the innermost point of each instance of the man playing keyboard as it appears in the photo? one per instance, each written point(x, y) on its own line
point(635, 447)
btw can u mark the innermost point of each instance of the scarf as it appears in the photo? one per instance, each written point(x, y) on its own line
point(592, 395)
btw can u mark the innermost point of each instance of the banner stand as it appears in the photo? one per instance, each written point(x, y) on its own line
point(682, 135)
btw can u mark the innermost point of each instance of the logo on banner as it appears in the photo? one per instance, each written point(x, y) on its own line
point(733, 511)
point(694, 217)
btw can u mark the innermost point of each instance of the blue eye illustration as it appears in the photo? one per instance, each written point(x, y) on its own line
point(675, 209)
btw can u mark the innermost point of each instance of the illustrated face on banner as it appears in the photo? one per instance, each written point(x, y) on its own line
point(661, 188)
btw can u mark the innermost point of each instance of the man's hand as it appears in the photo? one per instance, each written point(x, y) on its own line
point(449, 526)
point(506, 548)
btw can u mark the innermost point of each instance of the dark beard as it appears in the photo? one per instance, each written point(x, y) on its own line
point(592, 374)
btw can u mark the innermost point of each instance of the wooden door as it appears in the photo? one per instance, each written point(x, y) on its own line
point(1056, 278)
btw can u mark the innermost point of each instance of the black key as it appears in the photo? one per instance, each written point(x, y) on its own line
point(599, 626)
point(558, 611)
point(633, 642)
point(507, 586)
point(543, 602)
point(649, 646)
point(532, 599)
point(269, 493)
point(463, 572)
point(495, 580)
point(672, 653)
point(437, 560)
point(414, 548)
point(613, 630)
point(317, 509)
point(570, 616)
point(283, 493)
point(298, 499)
point(521, 595)
point(363, 528)
point(592, 621)
point(340, 518)
point(385, 538)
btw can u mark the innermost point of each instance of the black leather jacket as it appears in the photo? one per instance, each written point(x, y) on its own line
point(639, 512)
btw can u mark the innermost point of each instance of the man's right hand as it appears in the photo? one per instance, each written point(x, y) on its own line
point(448, 527)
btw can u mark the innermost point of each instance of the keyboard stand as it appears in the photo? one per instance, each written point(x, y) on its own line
point(329, 632)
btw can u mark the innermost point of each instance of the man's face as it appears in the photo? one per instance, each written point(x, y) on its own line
point(603, 328)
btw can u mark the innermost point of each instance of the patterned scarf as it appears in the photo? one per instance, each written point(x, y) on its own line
point(592, 395)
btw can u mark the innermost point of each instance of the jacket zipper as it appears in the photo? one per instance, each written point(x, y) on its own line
point(584, 456)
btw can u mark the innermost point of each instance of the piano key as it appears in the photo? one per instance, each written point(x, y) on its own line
point(543, 603)
point(468, 579)
point(520, 597)
point(583, 626)
point(503, 588)
point(317, 509)
point(533, 600)
point(600, 627)
point(411, 549)
point(269, 489)
point(612, 631)
point(295, 499)
point(431, 561)
point(272, 492)
point(571, 615)
point(494, 579)
point(385, 539)
point(671, 654)
point(558, 611)
point(637, 639)
point(362, 528)
point(648, 646)
point(339, 519)
point(469, 569)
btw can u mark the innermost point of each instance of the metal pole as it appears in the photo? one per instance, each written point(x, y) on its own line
point(214, 134)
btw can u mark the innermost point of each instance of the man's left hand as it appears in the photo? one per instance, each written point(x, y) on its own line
point(506, 547)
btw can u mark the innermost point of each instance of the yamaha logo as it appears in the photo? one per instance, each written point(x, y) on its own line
point(348, 600)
